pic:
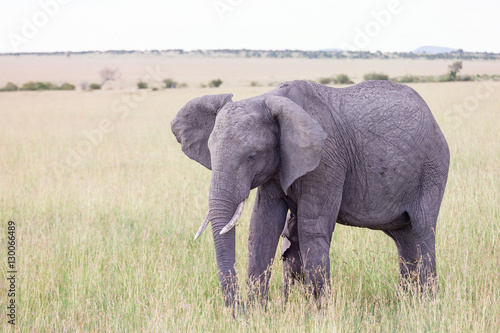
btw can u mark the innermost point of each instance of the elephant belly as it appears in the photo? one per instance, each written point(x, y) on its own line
point(377, 201)
point(380, 222)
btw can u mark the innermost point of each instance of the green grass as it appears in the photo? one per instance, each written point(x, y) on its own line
point(107, 244)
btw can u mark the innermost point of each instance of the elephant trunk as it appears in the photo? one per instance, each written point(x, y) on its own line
point(225, 206)
point(225, 253)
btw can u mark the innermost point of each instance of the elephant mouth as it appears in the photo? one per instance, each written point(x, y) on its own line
point(230, 225)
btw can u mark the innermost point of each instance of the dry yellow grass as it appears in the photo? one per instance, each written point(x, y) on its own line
point(105, 224)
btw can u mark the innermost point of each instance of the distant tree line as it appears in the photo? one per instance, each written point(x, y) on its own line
point(320, 54)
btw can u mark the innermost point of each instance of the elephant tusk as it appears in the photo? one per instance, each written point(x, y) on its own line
point(235, 218)
point(203, 226)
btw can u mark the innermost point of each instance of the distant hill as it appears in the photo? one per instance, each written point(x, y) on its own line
point(433, 50)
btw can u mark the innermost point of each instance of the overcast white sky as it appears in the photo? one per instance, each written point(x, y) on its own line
point(386, 25)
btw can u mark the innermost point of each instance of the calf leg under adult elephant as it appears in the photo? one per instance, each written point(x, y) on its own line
point(290, 254)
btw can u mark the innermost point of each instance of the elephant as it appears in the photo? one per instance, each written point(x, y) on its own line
point(369, 155)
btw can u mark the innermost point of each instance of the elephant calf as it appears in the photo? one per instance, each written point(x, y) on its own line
point(370, 155)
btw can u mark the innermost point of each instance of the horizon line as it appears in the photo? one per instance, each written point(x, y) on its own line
point(332, 50)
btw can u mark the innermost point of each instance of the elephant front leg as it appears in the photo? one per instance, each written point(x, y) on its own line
point(268, 219)
point(290, 254)
point(315, 256)
point(315, 223)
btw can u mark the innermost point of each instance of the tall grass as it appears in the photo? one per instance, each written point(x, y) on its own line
point(107, 244)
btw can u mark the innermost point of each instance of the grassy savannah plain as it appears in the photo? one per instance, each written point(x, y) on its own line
point(106, 206)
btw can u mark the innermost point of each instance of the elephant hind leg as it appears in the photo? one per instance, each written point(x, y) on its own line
point(423, 216)
point(407, 253)
point(292, 263)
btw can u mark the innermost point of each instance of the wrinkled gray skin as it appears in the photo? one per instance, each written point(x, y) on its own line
point(370, 155)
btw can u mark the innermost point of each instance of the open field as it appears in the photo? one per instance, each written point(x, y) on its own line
point(106, 206)
point(239, 72)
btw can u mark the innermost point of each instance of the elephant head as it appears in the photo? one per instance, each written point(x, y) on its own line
point(245, 144)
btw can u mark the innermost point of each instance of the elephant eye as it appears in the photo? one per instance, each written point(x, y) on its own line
point(251, 157)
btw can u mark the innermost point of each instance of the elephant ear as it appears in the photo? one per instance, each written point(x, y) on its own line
point(301, 139)
point(193, 124)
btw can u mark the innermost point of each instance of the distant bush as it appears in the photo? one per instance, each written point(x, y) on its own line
point(9, 87)
point(375, 76)
point(254, 84)
point(414, 79)
point(94, 86)
point(47, 86)
point(169, 83)
point(429, 78)
point(343, 79)
point(446, 78)
point(407, 79)
point(29, 86)
point(67, 86)
point(339, 79)
point(34, 86)
point(215, 83)
point(494, 77)
point(325, 80)
point(465, 78)
point(142, 85)
point(182, 85)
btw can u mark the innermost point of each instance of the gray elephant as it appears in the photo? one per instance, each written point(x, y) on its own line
point(370, 155)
